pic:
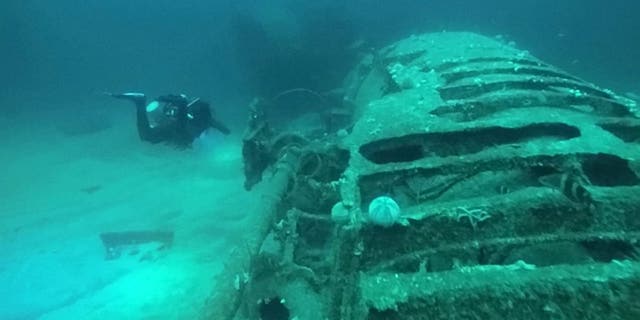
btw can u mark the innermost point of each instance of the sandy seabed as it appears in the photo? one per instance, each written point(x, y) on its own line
point(60, 189)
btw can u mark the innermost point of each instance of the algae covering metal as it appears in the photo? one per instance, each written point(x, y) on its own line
point(518, 186)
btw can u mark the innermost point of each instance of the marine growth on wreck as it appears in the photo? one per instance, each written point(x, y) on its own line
point(511, 189)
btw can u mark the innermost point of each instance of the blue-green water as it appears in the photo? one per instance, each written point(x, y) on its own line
point(74, 167)
point(217, 48)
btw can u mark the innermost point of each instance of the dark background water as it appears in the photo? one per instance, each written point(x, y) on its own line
point(66, 52)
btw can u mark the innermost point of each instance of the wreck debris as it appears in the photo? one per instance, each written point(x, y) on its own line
point(519, 181)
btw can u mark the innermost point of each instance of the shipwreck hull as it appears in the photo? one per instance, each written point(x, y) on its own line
point(518, 183)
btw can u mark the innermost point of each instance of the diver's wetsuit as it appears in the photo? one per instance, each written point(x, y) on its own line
point(176, 119)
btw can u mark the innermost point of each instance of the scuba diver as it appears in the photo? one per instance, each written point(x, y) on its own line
point(171, 118)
